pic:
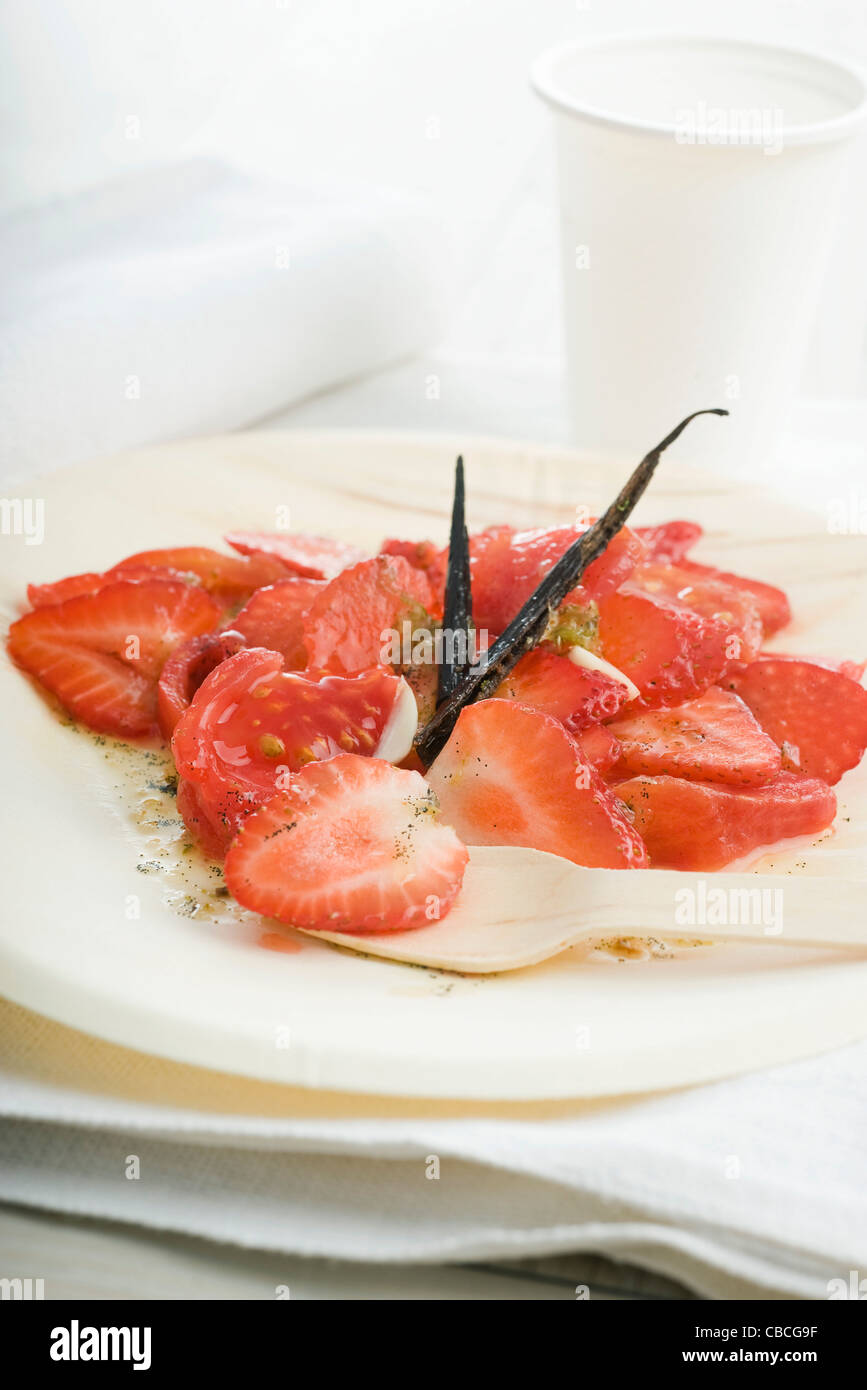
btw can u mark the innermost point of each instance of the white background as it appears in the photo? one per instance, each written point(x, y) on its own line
point(423, 95)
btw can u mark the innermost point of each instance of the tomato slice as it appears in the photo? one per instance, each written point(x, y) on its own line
point(252, 724)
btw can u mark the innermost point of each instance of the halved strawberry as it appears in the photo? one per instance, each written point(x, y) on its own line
point(554, 684)
point(352, 845)
point(817, 716)
point(771, 602)
point(670, 542)
point(704, 825)
point(713, 738)
point(361, 617)
point(312, 557)
point(511, 775)
point(508, 565)
point(712, 598)
point(186, 669)
point(274, 618)
point(101, 653)
point(251, 724)
point(671, 652)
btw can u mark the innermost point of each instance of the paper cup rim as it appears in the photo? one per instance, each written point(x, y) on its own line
point(546, 86)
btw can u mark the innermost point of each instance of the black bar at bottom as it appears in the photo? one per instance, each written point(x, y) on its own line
point(64, 1338)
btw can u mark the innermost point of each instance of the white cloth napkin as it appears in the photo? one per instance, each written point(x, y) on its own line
point(752, 1187)
point(191, 299)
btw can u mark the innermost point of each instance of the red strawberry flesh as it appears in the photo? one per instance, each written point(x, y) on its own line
point(352, 845)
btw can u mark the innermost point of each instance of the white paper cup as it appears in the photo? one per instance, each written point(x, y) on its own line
point(700, 181)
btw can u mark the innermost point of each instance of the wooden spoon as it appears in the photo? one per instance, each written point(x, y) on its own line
point(519, 906)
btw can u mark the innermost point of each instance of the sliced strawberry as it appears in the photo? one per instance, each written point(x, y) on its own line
point(712, 598)
point(599, 746)
point(101, 653)
point(555, 685)
point(818, 717)
point(511, 775)
point(251, 724)
point(274, 618)
point(713, 738)
point(40, 595)
point(704, 825)
point(361, 618)
point(211, 835)
point(186, 669)
point(670, 542)
point(671, 652)
point(311, 557)
point(853, 669)
point(508, 565)
point(422, 555)
point(352, 845)
point(230, 578)
point(771, 602)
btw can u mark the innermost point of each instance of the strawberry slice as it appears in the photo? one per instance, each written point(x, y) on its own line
point(41, 595)
point(599, 746)
point(712, 598)
point(817, 716)
point(704, 825)
point(186, 669)
point(511, 775)
point(670, 542)
point(422, 555)
point(713, 738)
point(554, 684)
point(251, 724)
point(311, 557)
point(671, 652)
point(352, 845)
point(274, 618)
point(771, 602)
point(101, 653)
point(229, 578)
point(360, 619)
point(211, 835)
point(506, 566)
point(853, 669)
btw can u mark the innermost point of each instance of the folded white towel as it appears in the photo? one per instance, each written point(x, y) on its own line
point(746, 1188)
point(190, 298)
